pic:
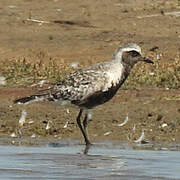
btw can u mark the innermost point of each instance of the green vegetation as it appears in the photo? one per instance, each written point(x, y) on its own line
point(161, 74)
point(21, 72)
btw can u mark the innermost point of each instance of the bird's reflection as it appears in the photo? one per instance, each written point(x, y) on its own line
point(86, 149)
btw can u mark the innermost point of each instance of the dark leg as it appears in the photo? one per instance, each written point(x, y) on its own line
point(81, 128)
point(87, 149)
point(86, 120)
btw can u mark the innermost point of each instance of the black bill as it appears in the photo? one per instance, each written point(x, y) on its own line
point(148, 60)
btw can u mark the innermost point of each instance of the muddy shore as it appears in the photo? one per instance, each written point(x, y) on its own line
point(87, 32)
point(155, 112)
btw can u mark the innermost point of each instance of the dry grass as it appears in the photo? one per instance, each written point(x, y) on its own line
point(163, 74)
point(23, 72)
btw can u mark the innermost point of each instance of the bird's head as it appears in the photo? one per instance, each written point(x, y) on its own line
point(130, 54)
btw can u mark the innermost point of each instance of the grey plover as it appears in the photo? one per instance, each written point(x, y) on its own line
point(92, 86)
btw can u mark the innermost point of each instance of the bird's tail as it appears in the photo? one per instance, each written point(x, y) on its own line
point(33, 98)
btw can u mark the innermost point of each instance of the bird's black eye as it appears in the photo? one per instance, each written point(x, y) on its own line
point(134, 53)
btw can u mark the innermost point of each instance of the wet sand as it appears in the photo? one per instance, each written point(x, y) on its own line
point(154, 111)
point(87, 33)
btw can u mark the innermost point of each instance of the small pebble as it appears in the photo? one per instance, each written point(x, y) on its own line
point(149, 115)
point(164, 125)
point(2, 80)
point(75, 65)
point(33, 136)
point(159, 117)
point(30, 122)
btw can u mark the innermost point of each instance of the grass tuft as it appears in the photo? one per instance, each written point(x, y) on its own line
point(163, 74)
point(24, 72)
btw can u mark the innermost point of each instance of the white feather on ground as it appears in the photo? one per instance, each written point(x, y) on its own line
point(66, 124)
point(125, 121)
point(22, 118)
point(141, 138)
point(107, 133)
point(48, 126)
point(13, 135)
point(33, 135)
point(2, 80)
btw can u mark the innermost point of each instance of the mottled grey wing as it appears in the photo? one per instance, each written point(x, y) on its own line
point(79, 85)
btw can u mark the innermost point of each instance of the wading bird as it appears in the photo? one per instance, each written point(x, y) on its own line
point(91, 86)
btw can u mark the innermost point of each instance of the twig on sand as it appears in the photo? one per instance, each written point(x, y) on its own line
point(63, 22)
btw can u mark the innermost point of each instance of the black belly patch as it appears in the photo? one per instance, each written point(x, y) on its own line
point(97, 98)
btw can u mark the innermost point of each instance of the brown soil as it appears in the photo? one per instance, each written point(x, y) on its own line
point(88, 32)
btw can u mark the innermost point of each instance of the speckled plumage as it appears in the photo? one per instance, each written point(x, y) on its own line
point(82, 84)
point(93, 85)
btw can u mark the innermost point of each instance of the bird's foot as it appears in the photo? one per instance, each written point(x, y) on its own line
point(88, 145)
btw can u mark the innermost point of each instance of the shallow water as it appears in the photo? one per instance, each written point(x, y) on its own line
point(64, 160)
